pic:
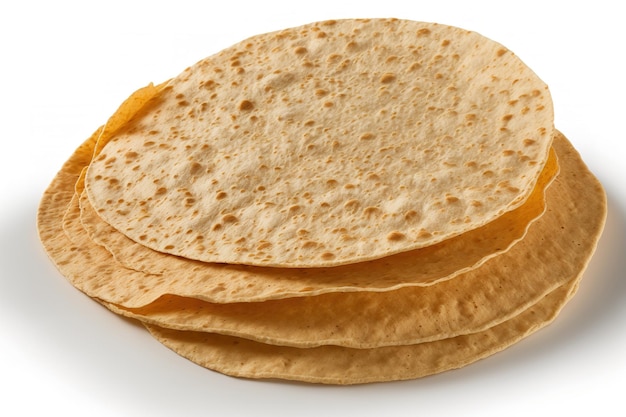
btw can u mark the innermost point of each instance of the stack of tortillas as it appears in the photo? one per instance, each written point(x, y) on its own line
point(344, 202)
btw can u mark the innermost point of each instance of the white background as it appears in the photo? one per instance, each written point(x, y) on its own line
point(66, 66)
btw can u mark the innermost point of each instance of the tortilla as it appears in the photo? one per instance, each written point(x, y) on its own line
point(332, 143)
point(341, 365)
point(472, 302)
point(486, 241)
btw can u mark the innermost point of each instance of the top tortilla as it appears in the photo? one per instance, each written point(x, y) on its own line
point(327, 144)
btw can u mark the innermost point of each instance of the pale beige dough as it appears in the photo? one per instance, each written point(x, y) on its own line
point(327, 144)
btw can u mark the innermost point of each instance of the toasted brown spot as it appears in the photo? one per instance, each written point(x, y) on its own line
point(387, 78)
point(423, 32)
point(395, 236)
point(351, 204)
point(371, 211)
point(367, 136)
point(423, 234)
point(161, 191)
point(195, 168)
point(452, 199)
point(263, 245)
point(246, 105)
point(328, 256)
point(410, 215)
point(332, 58)
point(310, 244)
point(221, 195)
point(208, 84)
point(229, 218)
point(501, 52)
point(528, 142)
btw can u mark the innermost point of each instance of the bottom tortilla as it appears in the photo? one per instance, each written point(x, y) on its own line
point(340, 365)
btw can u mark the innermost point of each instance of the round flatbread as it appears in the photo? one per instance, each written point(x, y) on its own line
point(468, 250)
point(332, 143)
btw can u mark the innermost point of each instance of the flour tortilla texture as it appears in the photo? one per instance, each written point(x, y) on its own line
point(331, 143)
